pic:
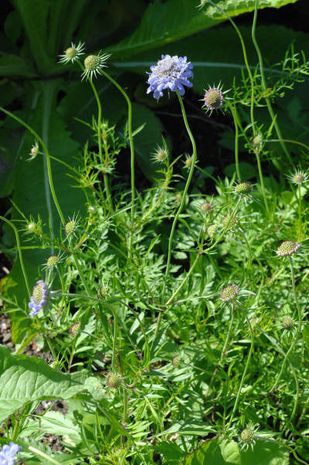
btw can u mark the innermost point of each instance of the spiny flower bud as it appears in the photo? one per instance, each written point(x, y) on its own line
point(287, 248)
point(52, 261)
point(257, 143)
point(247, 438)
point(298, 178)
point(34, 151)
point(94, 64)
point(103, 291)
point(213, 99)
point(114, 380)
point(287, 323)
point(160, 155)
point(72, 53)
point(229, 293)
point(188, 161)
point(243, 188)
point(211, 230)
point(70, 227)
point(34, 228)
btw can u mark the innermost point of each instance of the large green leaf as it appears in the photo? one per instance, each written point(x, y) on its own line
point(166, 22)
point(29, 379)
point(215, 452)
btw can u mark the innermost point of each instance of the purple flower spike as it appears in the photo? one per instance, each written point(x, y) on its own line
point(171, 73)
point(38, 299)
point(8, 454)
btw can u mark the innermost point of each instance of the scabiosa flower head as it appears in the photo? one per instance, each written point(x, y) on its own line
point(229, 293)
point(298, 177)
point(287, 248)
point(70, 227)
point(52, 261)
point(213, 99)
point(287, 323)
point(38, 298)
point(160, 154)
point(243, 188)
point(8, 454)
point(248, 437)
point(94, 64)
point(114, 380)
point(72, 53)
point(211, 230)
point(206, 207)
point(171, 73)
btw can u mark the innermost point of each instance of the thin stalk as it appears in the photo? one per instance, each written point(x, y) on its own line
point(264, 84)
point(236, 141)
point(176, 292)
point(259, 165)
point(20, 256)
point(47, 156)
point(105, 176)
point(131, 141)
point(187, 185)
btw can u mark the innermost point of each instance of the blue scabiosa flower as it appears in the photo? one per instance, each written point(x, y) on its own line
point(38, 298)
point(8, 454)
point(171, 73)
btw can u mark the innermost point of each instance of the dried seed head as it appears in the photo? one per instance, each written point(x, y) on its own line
point(206, 207)
point(229, 293)
point(114, 380)
point(52, 261)
point(287, 248)
point(287, 323)
point(213, 99)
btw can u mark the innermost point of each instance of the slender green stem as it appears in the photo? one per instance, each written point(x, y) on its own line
point(131, 141)
point(242, 381)
point(264, 84)
point(183, 282)
point(99, 136)
point(259, 165)
point(236, 141)
point(47, 156)
point(21, 260)
point(187, 185)
point(43, 455)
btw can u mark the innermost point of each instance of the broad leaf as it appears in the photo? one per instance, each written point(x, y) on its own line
point(28, 379)
point(173, 20)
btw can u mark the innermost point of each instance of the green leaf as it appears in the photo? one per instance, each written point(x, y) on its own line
point(228, 453)
point(12, 65)
point(173, 20)
point(28, 379)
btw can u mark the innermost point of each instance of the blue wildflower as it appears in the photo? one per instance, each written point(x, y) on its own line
point(8, 454)
point(172, 73)
point(38, 298)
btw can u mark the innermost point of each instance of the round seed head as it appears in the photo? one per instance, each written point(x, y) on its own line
point(287, 323)
point(188, 161)
point(38, 298)
point(70, 227)
point(160, 155)
point(206, 207)
point(213, 99)
point(114, 380)
point(243, 188)
point(94, 64)
point(73, 53)
point(52, 261)
point(229, 293)
point(287, 248)
point(247, 437)
point(103, 291)
point(298, 178)
point(211, 230)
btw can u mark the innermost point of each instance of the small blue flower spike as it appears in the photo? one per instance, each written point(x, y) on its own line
point(8, 454)
point(171, 73)
point(38, 299)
